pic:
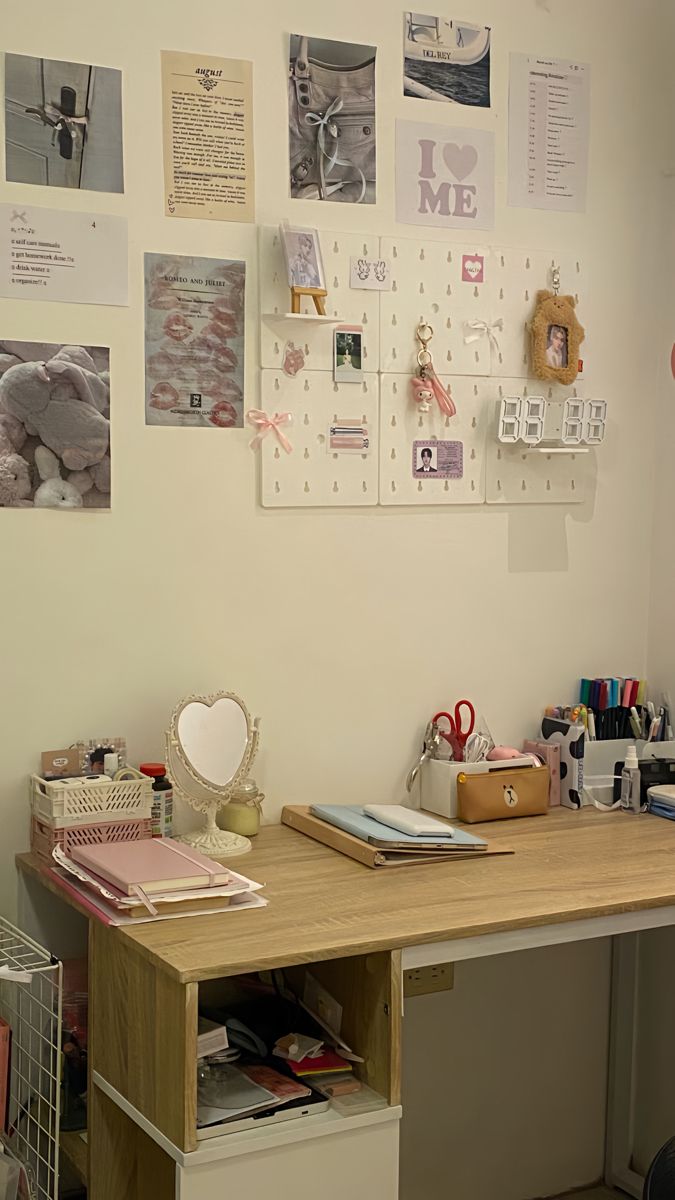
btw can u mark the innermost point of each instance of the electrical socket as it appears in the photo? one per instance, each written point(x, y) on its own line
point(420, 981)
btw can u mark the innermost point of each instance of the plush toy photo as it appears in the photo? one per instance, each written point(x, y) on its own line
point(555, 335)
point(54, 426)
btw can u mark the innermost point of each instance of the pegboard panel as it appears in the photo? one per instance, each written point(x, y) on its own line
point(521, 475)
point(311, 475)
point(402, 425)
point(427, 285)
point(352, 305)
point(517, 276)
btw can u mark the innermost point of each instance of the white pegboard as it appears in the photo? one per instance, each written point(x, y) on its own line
point(311, 476)
point(521, 475)
point(401, 424)
point(353, 306)
point(426, 285)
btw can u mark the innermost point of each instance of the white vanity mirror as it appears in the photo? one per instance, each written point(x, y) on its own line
point(210, 747)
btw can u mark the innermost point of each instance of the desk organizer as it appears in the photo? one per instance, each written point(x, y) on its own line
point(438, 781)
point(126, 800)
point(45, 836)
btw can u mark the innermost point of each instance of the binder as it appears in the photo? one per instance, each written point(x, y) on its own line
point(301, 819)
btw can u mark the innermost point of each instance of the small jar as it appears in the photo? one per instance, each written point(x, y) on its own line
point(162, 799)
point(242, 814)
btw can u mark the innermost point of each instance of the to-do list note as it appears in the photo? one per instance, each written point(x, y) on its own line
point(549, 110)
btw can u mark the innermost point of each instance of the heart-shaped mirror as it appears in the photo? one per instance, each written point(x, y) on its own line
point(210, 747)
point(213, 738)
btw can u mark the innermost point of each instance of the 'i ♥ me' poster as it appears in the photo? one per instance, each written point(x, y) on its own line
point(444, 176)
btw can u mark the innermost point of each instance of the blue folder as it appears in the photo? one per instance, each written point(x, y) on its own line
point(354, 820)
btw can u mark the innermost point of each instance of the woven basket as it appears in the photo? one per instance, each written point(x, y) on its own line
point(126, 800)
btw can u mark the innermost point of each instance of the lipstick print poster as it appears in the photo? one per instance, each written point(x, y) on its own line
point(194, 341)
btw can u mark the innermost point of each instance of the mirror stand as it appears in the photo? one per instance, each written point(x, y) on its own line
point(200, 792)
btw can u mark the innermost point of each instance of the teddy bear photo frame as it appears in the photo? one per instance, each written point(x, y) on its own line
point(555, 337)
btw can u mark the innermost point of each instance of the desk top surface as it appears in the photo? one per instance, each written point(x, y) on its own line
point(567, 866)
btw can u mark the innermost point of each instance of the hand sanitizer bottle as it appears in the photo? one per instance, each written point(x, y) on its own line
point(631, 781)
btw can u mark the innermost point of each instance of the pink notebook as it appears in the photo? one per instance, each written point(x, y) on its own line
point(154, 865)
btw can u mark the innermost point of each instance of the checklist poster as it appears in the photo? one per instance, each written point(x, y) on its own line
point(549, 111)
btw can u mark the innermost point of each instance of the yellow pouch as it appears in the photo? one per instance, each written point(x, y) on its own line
point(502, 793)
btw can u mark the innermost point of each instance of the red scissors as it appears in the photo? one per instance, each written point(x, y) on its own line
point(456, 735)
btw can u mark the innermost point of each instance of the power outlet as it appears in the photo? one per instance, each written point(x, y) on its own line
point(420, 981)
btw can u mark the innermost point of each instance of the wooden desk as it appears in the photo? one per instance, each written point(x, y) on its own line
point(584, 874)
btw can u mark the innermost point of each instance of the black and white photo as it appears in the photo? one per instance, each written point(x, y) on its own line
point(54, 425)
point(446, 60)
point(63, 124)
point(331, 121)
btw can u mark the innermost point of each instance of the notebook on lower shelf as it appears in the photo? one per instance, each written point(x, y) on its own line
point(300, 818)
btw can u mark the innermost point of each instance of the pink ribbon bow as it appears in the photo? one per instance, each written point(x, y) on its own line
point(263, 423)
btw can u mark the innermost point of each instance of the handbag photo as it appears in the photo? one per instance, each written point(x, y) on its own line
point(331, 121)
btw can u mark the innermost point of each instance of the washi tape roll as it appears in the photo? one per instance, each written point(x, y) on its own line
point(126, 773)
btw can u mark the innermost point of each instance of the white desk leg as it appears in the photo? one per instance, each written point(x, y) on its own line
point(622, 1048)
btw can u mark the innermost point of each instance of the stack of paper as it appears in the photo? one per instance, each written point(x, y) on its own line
point(140, 881)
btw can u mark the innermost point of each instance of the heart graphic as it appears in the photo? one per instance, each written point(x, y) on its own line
point(460, 160)
point(473, 268)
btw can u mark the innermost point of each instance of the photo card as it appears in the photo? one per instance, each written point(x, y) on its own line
point(347, 354)
point(437, 459)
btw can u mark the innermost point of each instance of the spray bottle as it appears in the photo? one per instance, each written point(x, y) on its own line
point(631, 781)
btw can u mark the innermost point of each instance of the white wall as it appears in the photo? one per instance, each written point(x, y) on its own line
point(188, 585)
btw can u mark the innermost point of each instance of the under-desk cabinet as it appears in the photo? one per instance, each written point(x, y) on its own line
point(143, 1098)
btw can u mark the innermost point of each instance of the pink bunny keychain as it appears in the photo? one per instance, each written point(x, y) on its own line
point(427, 385)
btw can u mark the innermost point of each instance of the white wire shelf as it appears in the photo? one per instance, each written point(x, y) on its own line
point(31, 995)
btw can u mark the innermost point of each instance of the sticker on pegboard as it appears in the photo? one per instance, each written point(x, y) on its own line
point(473, 268)
point(370, 274)
point(442, 459)
point(348, 436)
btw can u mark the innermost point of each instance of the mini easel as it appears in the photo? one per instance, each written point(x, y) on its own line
point(318, 295)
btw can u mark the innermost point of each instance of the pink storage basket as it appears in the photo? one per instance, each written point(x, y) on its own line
point(44, 836)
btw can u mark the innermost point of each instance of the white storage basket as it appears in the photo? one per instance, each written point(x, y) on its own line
point(126, 800)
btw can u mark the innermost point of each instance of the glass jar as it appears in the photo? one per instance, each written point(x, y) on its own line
point(242, 814)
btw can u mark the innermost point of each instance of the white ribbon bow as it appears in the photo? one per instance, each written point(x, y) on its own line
point(475, 330)
point(327, 123)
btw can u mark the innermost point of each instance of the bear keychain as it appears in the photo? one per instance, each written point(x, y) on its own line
point(426, 386)
point(555, 335)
